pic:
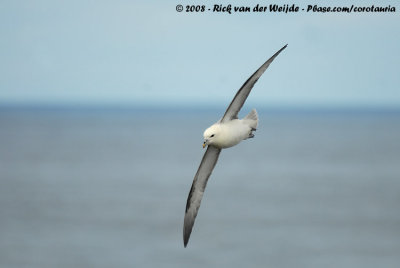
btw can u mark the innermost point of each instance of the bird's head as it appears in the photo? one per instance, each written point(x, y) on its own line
point(211, 135)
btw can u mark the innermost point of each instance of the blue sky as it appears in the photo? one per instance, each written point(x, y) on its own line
point(144, 52)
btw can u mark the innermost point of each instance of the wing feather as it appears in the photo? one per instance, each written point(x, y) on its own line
point(206, 167)
point(244, 91)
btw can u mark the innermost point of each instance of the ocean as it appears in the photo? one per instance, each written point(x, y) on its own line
point(108, 187)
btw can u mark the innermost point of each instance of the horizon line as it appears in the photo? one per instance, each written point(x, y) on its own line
point(193, 107)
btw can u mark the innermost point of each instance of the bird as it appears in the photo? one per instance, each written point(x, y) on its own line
point(227, 132)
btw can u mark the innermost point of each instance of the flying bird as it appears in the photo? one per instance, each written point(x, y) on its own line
point(227, 132)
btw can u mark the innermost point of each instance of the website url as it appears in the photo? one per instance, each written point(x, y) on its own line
point(350, 9)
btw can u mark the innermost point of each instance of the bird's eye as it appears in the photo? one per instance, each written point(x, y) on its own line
point(212, 135)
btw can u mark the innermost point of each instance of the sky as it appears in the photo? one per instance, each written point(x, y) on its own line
point(146, 53)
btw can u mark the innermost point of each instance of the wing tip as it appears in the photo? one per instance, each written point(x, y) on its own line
point(186, 236)
point(282, 48)
point(187, 229)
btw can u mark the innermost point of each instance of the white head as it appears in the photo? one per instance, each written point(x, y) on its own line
point(211, 135)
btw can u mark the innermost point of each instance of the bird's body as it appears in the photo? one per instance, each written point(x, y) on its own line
point(227, 132)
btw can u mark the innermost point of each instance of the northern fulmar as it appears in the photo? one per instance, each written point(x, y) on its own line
point(227, 132)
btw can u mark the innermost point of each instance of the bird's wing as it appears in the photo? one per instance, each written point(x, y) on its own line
point(196, 192)
point(244, 91)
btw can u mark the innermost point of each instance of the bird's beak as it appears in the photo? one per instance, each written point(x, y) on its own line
point(204, 144)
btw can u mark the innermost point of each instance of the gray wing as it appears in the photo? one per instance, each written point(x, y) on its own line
point(244, 91)
point(196, 192)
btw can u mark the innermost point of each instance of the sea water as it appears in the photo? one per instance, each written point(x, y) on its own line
point(106, 188)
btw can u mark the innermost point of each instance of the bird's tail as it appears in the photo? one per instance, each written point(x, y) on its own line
point(252, 119)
